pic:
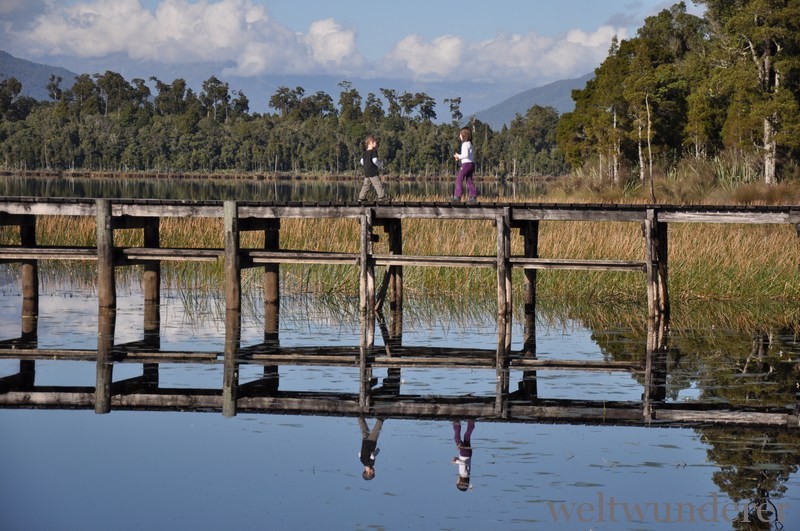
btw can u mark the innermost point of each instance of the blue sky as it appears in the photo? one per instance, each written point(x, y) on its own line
point(522, 41)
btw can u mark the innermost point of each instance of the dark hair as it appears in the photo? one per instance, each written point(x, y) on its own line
point(463, 483)
point(368, 474)
point(466, 134)
point(370, 138)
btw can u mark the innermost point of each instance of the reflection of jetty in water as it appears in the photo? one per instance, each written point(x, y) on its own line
point(516, 397)
point(519, 403)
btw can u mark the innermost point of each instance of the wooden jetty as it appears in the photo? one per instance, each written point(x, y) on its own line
point(523, 404)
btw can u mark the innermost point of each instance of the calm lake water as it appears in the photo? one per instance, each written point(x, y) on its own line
point(74, 469)
point(287, 188)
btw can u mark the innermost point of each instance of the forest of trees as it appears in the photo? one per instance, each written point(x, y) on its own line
point(724, 88)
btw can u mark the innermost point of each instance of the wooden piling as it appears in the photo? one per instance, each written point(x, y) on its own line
point(151, 278)
point(367, 277)
point(230, 375)
point(106, 320)
point(272, 302)
point(272, 292)
point(530, 242)
point(106, 288)
point(503, 225)
point(503, 373)
point(151, 285)
point(651, 263)
point(233, 306)
point(30, 268)
point(233, 266)
point(395, 228)
point(662, 254)
point(655, 376)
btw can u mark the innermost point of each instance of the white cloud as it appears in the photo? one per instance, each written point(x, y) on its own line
point(508, 56)
point(240, 33)
point(329, 43)
point(88, 29)
point(436, 59)
point(180, 31)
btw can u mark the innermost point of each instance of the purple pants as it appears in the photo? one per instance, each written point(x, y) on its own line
point(465, 173)
point(464, 445)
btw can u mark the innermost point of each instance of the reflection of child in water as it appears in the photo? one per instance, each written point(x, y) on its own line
point(369, 446)
point(464, 459)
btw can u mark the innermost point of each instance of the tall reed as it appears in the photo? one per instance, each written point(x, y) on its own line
point(706, 261)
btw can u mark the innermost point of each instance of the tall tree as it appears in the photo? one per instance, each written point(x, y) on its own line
point(759, 42)
point(349, 103)
point(215, 96)
point(115, 91)
point(171, 99)
point(455, 110)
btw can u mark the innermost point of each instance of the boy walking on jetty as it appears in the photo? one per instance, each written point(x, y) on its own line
point(371, 165)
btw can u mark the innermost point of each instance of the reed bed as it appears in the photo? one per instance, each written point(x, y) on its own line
point(706, 261)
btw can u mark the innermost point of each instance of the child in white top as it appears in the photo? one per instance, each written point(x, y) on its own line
point(464, 458)
point(467, 159)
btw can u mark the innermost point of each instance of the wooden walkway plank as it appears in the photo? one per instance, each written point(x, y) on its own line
point(578, 264)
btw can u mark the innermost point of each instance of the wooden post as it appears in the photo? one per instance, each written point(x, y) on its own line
point(106, 288)
point(233, 266)
point(151, 278)
point(364, 366)
point(651, 263)
point(367, 278)
point(106, 320)
point(272, 293)
point(272, 301)
point(30, 268)
point(230, 377)
point(504, 264)
point(151, 285)
point(393, 277)
point(233, 307)
point(530, 242)
point(530, 237)
point(396, 272)
point(656, 256)
point(655, 385)
point(30, 302)
point(663, 253)
point(30, 323)
point(30, 284)
point(502, 369)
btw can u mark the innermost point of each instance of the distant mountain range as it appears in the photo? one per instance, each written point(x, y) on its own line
point(557, 95)
point(35, 77)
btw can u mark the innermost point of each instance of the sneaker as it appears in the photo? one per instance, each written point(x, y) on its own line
point(473, 199)
point(456, 199)
point(384, 199)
